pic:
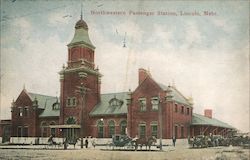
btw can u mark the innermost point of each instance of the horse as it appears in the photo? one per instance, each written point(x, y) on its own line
point(144, 141)
point(52, 143)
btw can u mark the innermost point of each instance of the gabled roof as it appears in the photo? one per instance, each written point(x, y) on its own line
point(198, 119)
point(45, 102)
point(177, 96)
point(105, 108)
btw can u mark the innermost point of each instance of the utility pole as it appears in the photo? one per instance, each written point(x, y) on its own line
point(82, 90)
point(160, 120)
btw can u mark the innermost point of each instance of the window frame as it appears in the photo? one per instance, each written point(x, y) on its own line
point(140, 126)
point(155, 102)
point(143, 104)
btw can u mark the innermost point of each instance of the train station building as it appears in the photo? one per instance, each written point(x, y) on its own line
point(152, 109)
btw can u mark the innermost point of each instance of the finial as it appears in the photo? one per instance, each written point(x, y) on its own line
point(173, 83)
point(63, 66)
point(81, 11)
point(24, 86)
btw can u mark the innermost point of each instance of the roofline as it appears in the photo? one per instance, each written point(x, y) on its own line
point(211, 118)
point(42, 95)
point(96, 115)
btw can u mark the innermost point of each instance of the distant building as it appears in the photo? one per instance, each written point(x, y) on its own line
point(152, 109)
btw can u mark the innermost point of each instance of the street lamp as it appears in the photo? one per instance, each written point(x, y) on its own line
point(82, 90)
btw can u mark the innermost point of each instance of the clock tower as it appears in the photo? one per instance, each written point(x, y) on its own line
point(80, 84)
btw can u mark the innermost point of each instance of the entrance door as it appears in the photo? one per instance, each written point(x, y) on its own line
point(71, 134)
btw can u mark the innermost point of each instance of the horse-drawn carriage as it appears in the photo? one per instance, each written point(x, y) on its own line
point(125, 141)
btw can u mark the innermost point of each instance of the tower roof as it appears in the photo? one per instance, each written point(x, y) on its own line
point(81, 24)
point(81, 36)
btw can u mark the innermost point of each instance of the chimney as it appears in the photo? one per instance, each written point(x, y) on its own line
point(143, 74)
point(208, 113)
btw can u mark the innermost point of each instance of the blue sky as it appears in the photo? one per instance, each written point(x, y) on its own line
point(205, 56)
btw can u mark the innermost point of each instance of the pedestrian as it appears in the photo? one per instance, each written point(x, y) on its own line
point(174, 140)
point(86, 142)
point(93, 142)
point(65, 143)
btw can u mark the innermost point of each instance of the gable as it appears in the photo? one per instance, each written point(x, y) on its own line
point(177, 95)
point(23, 99)
point(148, 86)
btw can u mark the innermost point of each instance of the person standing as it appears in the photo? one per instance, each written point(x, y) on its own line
point(93, 141)
point(86, 142)
point(174, 140)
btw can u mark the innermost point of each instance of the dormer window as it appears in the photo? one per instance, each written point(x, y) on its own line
point(114, 102)
point(56, 106)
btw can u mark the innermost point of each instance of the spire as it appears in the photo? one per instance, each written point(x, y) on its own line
point(81, 11)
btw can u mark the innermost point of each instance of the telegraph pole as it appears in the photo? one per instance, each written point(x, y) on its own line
point(160, 120)
point(82, 90)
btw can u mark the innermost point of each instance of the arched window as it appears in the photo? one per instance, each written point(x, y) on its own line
point(100, 129)
point(111, 125)
point(71, 120)
point(44, 129)
point(123, 126)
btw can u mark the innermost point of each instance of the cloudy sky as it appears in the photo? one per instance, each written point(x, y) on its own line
point(206, 57)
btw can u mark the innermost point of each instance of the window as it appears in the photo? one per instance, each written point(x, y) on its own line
point(187, 111)
point(155, 103)
point(142, 103)
point(19, 131)
point(176, 131)
point(100, 128)
point(20, 112)
point(154, 129)
point(123, 126)
point(74, 101)
point(182, 132)
point(71, 120)
point(44, 128)
point(114, 102)
point(142, 130)
point(182, 109)
point(25, 112)
point(71, 101)
point(22, 131)
point(176, 108)
point(25, 131)
point(111, 128)
point(56, 106)
point(68, 102)
point(52, 130)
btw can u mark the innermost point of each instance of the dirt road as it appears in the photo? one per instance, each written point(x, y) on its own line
point(169, 153)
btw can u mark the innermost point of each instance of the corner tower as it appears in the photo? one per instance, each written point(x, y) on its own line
point(80, 84)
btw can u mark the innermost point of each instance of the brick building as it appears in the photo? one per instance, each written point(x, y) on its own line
point(151, 109)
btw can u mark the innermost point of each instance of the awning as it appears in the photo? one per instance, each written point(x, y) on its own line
point(65, 126)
